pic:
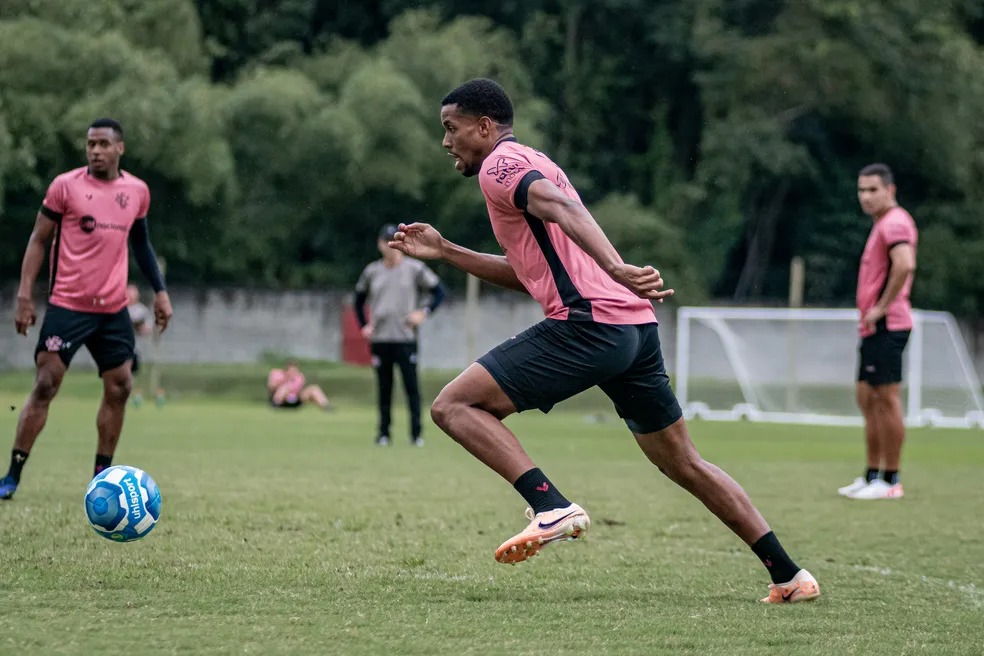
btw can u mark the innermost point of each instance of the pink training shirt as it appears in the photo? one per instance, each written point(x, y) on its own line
point(565, 280)
point(89, 262)
point(893, 228)
point(295, 383)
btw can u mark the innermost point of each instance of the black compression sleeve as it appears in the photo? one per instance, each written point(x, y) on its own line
point(360, 307)
point(144, 254)
point(437, 297)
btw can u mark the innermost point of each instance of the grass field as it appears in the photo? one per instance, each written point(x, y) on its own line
point(290, 533)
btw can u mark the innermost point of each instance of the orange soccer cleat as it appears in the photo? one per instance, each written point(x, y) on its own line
point(551, 526)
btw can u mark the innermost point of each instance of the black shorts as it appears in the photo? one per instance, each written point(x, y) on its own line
point(554, 360)
point(881, 357)
point(289, 402)
point(109, 337)
point(389, 353)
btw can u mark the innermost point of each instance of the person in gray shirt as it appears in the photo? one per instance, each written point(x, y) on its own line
point(401, 293)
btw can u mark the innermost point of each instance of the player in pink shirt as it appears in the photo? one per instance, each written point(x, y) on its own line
point(288, 388)
point(884, 283)
point(600, 330)
point(89, 214)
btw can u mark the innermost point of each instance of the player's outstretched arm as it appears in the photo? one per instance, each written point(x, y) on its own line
point(548, 203)
point(44, 229)
point(423, 241)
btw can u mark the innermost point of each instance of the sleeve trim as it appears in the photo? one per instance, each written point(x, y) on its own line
point(51, 214)
point(520, 199)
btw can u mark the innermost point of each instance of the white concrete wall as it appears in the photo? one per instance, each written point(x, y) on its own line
point(242, 325)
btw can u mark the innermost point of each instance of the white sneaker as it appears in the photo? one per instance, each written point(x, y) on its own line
point(848, 490)
point(878, 489)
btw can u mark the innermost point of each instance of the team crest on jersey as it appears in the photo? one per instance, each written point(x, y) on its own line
point(122, 199)
point(504, 171)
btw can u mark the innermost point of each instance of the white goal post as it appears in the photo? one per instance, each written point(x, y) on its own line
point(799, 365)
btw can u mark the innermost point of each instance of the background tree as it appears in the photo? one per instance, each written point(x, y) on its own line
point(715, 139)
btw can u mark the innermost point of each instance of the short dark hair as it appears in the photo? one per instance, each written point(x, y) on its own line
point(387, 232)
point(881, 170)
point(111, 123)
point(482, 97)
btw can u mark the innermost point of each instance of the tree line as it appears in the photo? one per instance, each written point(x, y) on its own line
point(715, 139)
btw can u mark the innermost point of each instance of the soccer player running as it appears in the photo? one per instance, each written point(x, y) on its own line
point(885, 279)
point(395, 288)
point(600, 329)
point(89, 212)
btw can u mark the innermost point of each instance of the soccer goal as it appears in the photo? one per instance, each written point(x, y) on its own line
point(800, 366)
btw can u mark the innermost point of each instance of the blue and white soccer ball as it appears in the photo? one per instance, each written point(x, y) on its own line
point(123, 503)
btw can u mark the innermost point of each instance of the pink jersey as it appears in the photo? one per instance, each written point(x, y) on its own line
point(294, 382)
point(291, 382)
point(893, 228)
point(565, 280)
point(89, 261)
point(276, 378)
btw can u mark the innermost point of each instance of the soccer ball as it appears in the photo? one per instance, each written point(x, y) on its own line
point(123, 503)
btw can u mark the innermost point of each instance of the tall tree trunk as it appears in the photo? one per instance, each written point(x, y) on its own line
point(759, 254)
point(569, 102)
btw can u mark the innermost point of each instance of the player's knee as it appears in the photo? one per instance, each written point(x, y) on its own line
point(884, 398)
point(118, 389)
point(442, 409)
point(46, 386)
point(685, 471)
point(446, 407)
point(681, 463)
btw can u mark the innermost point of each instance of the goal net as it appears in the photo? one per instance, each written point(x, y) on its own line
point(800, 366)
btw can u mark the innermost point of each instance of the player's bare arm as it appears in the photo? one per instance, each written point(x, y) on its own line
point(903, 265)
point(162, 310)
point(424, 242)
point(548, 203)
point(37, 244)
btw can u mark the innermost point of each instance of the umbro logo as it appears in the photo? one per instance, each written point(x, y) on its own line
point(88, 196)
point(18, 458)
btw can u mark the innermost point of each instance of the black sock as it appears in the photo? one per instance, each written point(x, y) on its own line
point(539, 492)
point(102, 462)
point(870, 475)
point(890, 476)
point(17, 460)
point(781, 568)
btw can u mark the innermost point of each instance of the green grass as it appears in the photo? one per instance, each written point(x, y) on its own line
point(289, 533)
